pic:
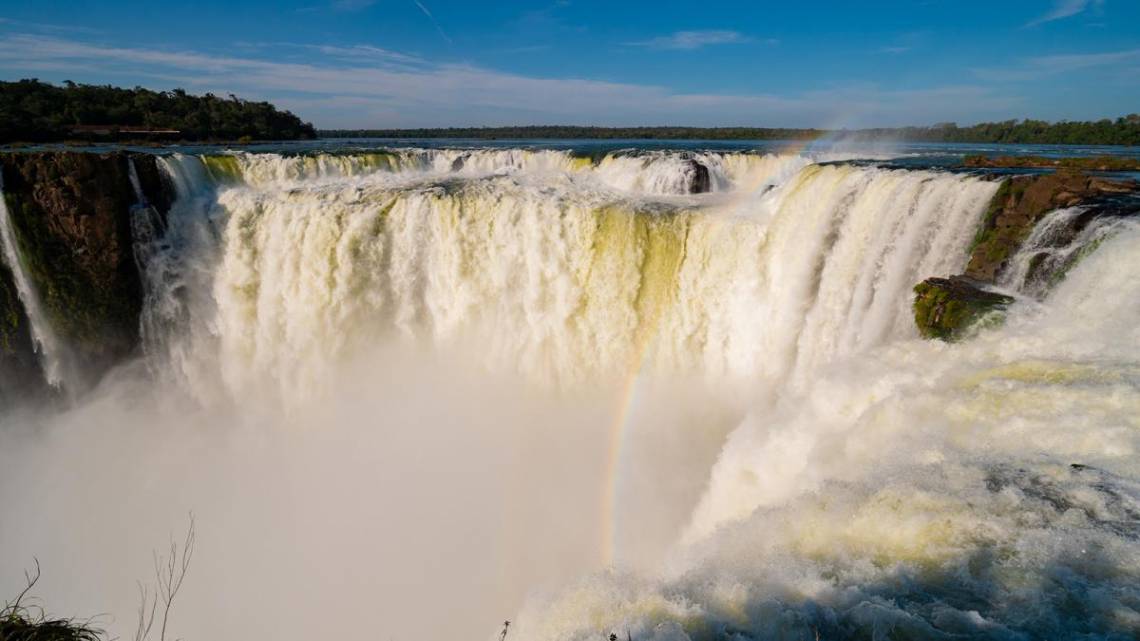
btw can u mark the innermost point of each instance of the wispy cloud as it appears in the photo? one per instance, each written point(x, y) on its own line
point(341, 89)
point(1065, 9)
point(1072, 62)
point(434, 22)
point(47, 27)
point(687, 40)
point(1042, 66)
point(367, 53)
point(894, 50)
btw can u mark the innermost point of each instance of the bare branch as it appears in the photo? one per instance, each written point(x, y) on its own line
point(30, 581)
point(145, 618)
point(169, 573)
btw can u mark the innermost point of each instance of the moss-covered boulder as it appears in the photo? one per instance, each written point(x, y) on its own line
point(947, 308)
point(71, 212)
point(1020, 203)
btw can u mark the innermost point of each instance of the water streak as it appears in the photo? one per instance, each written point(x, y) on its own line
point(54, 357)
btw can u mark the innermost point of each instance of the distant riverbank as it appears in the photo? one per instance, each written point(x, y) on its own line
point(1122, 131)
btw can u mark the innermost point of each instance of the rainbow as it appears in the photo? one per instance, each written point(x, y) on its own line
point(619, 428)
point(625, 406)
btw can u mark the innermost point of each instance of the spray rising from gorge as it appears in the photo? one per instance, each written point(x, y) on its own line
point(701, 369)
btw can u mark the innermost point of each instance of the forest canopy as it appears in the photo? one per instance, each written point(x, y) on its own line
point(1122, 131)
point(34, 111)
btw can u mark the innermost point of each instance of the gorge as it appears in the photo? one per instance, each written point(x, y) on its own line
point(679, 394)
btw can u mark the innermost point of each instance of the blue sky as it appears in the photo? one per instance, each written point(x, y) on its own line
point(410, 63)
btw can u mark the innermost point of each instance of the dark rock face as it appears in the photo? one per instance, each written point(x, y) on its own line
point(697, 177)
point(1017, 207)
point(20, 374)
point(946, 308)
point(71, 215)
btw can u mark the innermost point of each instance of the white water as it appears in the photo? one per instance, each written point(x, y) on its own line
point(558, 277)
point(1051, 249)
point(986, 490)
point(54, 357)
point(388, 387)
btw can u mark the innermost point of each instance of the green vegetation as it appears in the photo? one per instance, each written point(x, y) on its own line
point(1122, 131)
point(34, 111)
point(20, 621)
point(556, 132)
point(945, 308)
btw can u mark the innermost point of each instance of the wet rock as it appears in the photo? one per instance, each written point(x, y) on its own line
point(1021, 202)
point(697, 177)
point(1094, 163)
point(20, 375)
point(70, 212)
point(946, 308)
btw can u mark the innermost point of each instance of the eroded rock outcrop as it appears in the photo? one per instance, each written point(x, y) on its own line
point(945, 308)
point(697, 177)
point(1018, 206)
point(70, 214)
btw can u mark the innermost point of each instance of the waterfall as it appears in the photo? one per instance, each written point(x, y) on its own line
point(981, 490)
point(54, 357)
point(146, 224)
point(627, 407)
point(547, 265)
point(1056, 243)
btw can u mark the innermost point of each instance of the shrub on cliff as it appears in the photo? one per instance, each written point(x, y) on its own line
point(20, 621)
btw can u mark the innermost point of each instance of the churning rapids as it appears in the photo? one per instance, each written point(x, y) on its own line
point(411, 394)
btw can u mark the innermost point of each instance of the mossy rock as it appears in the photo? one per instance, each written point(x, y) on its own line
point(1019, 204)
point(70, 212)
point(947, 308)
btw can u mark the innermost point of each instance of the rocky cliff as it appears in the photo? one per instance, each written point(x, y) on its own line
point(71, 217)
point(20, 374)
point(946, 307)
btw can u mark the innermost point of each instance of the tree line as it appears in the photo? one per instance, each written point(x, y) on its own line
point(1122, 131)
point(34, 111)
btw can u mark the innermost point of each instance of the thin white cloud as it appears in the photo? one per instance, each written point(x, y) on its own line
point(1065, 9)
point(1042, 66)
point(49, 27)
point(1072, 62)
point(434, 22)
point(352, 92)
point(894, 50)
point(367, 53)
point(687, 40)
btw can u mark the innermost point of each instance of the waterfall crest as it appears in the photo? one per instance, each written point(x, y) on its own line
point(785, 267)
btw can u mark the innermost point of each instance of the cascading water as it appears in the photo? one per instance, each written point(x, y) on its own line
point(718, 401)
point(54, 357)
point(558, 273)
point(1055, 245)
point(986, 490)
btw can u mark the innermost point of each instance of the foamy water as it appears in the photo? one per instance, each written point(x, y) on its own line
point(443, 388)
